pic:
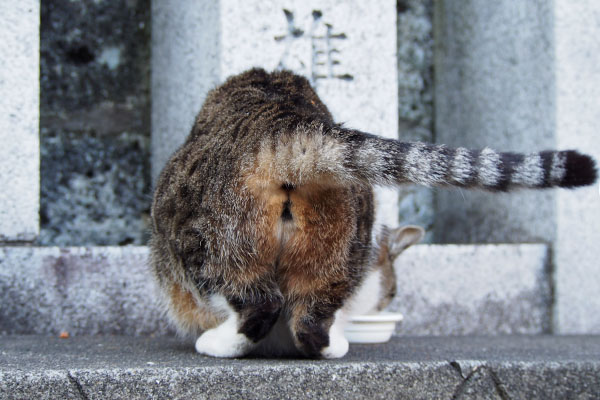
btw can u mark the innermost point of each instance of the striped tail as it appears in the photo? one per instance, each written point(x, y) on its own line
point(390, 162)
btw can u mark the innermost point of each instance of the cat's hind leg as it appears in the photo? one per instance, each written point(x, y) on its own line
point(246, 323)
point(190, 314)
point(318, 330)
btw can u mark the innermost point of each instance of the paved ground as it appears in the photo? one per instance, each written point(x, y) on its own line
point(408, 367)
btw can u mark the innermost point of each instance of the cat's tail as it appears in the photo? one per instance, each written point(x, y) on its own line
point(345, 155)
point(391, 162)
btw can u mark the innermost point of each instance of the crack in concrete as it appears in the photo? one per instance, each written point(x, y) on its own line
point(458, 369)
point(498, 386)
point(78, 386)
point(460, 388)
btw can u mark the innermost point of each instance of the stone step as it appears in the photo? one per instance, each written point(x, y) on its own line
point(462, 367)
point(474, 289)
point(442, 289)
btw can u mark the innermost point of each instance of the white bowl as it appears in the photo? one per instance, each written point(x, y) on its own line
point(371, 328)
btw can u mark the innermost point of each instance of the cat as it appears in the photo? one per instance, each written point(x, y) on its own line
point(265, 213)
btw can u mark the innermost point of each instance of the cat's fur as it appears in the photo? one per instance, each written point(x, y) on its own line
point(265, 214)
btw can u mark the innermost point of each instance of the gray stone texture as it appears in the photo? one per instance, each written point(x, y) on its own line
point(198, 44)
point(19, 117)
point(95, 128)
point(576, 250)
point(442, 290)
point(99, 290)
point(494, 86)
point(95, 189)
point(515, 367)
point(415, 100)
point(473, 289)
point(185, 66)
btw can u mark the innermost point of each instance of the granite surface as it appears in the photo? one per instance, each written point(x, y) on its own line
point(95, 122)
point(19, 121)
point(507, 367)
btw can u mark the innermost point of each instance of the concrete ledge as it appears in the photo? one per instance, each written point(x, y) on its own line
point(514, 367)
point(442, 290)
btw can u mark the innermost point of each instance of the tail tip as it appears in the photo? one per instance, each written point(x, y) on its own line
point(580, 170)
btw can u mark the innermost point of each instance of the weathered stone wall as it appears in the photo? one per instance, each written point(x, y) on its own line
point(94, 127)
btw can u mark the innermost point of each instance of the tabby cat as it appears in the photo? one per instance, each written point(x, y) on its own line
point(264, 216)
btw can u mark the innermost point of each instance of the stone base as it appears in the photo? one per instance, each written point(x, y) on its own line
point(442, 290)
point(515, 367)
point(95, 290)
point(474, 289)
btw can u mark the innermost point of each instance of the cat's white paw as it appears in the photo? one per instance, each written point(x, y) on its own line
point(338, 344)
point(223, 343)
point(338, 347)
point(224, 340)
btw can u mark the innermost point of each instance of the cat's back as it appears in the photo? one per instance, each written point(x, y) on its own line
point(246, 110)
point(257, 103)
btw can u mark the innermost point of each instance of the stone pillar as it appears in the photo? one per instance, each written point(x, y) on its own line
point(494, 86)
point(577, 250)
point(19, 120)
point(347, 49)
point(185, 66)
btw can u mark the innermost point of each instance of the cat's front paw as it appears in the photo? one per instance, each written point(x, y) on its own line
point(223, 343)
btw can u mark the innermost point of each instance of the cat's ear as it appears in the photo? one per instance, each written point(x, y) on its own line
point(402, 238)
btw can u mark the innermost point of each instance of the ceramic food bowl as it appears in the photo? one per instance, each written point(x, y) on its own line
point(371, 328)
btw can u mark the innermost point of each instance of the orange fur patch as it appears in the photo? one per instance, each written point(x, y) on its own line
point(312, 253)
point(316, 254)
point(187, 310)
point(270, 198)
